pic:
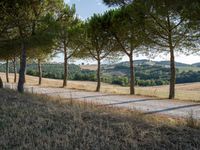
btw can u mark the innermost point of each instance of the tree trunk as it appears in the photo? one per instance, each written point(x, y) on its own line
point(25, 73)
point(65, 67)
point(15, 70)
point(172, 62)
point(7, 71)
point(40, 71)
point(98, 76)
point(1, 83)
point(22, 69)
point(132, 76)
point(172, 75)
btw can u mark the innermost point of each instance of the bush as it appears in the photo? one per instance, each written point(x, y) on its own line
point(85, 75)
point(123, 81)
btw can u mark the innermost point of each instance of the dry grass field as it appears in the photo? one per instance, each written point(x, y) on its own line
point(32, 122)
point(189, 91)
point(89, 67)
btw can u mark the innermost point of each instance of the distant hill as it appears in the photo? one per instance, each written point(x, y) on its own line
point(155, 63)
point(196, 64)
point(167, 63)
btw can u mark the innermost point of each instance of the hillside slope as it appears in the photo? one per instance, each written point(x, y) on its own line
point(148, 73)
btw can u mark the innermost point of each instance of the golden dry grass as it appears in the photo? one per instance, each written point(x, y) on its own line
point(189, 91)
point(35, 122)
point(89, 67)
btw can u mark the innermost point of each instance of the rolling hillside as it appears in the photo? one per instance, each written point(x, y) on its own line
point(148, 73)
point(157, 63)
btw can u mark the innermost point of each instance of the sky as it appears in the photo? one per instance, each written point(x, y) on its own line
point(86, 8)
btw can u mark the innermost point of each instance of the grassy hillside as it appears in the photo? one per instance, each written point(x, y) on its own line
point(32, 122)
point(155, 63)
point(50, 70)
point(164, 64)
point(148, 73)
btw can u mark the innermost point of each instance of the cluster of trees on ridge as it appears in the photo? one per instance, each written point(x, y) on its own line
point(37, 30)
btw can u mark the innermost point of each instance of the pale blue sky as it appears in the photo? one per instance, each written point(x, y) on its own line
point(86, 8)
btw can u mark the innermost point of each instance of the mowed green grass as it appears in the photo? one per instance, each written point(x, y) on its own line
point(33, 122)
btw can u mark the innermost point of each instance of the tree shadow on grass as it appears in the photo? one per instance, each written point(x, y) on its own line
point(128, 102)
point(171, 109)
